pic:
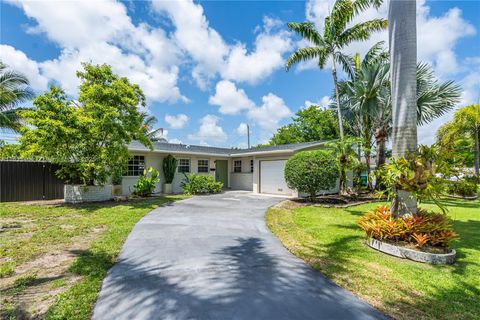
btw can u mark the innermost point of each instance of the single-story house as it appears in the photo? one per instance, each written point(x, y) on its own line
point(260, 170)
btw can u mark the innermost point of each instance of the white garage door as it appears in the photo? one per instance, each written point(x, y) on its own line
point(272, 178)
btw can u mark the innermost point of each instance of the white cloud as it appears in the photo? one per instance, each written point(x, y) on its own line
point(242, 129)
point(270, 113)
point(270, 46)
point(209, 131)
point(178, 121)
point(323, 103)
point(230, 99)
point(102, 32)
point(213, 56)
point(436, 36)
point(17, 60)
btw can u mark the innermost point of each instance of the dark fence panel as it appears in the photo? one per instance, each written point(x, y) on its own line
point(29, 180)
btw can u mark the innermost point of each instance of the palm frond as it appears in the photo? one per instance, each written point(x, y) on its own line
point(305, 54)
point(307, 31)
point(376, 53)
point(346, 62)
point(361, 31)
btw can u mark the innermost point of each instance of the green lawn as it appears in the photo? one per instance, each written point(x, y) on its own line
point(330, 241)
point(53, 258)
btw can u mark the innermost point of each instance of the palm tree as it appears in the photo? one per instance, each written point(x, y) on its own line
point(403, 57)
point(148, 122)
point(364, 95)
point(366, 99)
point(14, 89)
point(336, 36)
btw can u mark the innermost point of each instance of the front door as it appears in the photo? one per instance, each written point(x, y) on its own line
point(221, 172)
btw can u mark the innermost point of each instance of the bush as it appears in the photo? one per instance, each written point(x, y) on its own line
point(312, 171)
point(146, 183)
point(169, 168)
point(196, 184)
point(463, 187)
point(426, 228)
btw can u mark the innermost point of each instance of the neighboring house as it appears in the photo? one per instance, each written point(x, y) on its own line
point(260, 170)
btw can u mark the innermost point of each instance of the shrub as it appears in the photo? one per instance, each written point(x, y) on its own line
point(146, 183)
point(312, 171)
point(463, 187)
point(196, 184)
point(421, 229)
point(169, 168)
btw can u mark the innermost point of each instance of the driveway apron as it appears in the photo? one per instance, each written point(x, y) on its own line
point(213, 257)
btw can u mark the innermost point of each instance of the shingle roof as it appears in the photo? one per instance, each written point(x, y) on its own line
point(182, 148)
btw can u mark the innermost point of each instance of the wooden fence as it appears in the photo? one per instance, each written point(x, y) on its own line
point(29, 180)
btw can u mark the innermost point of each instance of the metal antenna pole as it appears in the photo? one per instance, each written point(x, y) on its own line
point(248, 135)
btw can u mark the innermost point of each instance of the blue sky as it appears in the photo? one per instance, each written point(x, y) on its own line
point(209, 68)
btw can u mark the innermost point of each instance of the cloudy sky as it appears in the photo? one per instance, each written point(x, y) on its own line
point(209, 68)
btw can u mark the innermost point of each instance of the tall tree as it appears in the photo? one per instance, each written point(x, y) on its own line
point(309, 124)
point(148, 123)
point(367, 103)
point(403, 57)
point(336, 36)
point(88, 139)
point(466, 125)
point(364, 96)
point(14, 89)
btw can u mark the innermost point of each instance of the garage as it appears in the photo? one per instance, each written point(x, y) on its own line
point(272, 178)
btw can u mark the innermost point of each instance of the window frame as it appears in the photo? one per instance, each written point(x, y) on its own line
point(187, 166)
point(205, 167)
point(237, 168)
point(135, 166)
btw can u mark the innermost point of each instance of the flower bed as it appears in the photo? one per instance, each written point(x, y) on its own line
point(427, 232)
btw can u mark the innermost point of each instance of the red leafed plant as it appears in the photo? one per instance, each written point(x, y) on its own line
point(426, 228)
point(421, 239)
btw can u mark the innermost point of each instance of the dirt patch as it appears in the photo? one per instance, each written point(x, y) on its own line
point(289, 204)
point(51, 278)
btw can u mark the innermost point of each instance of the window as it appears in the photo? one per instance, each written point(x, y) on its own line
point(136, 165)
point(183, 165)
point(237, 166)
point(251, 165)
point(203, 166)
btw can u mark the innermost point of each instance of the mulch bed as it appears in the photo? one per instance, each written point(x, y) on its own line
point(341, 201)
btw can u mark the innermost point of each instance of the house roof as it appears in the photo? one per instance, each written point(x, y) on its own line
point(225, 152)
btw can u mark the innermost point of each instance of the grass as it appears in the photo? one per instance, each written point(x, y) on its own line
point(330, 241)
point(59, 254)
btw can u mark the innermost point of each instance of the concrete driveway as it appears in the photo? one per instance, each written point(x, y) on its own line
point(213, 257)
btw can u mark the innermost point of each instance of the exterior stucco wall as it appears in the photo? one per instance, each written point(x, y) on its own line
point(241, 180)
point(155, 160)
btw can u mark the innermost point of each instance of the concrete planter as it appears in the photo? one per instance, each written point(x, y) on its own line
point(117, 189)
point(405, 253)
point(167, 188)
point(80, 193)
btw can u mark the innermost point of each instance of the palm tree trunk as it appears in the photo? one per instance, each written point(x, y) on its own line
point(337, 94)
point(380, 141)
point(403, 57)
point(476, 153)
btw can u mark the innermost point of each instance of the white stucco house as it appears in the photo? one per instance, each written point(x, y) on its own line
point(260, 170)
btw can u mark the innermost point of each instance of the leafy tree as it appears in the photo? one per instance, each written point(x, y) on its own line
point(464, 132)
point(14, 89)
point(336, 36)
point(89, 138)
point(9, 151)
point(311, 172)
point(309, 124)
